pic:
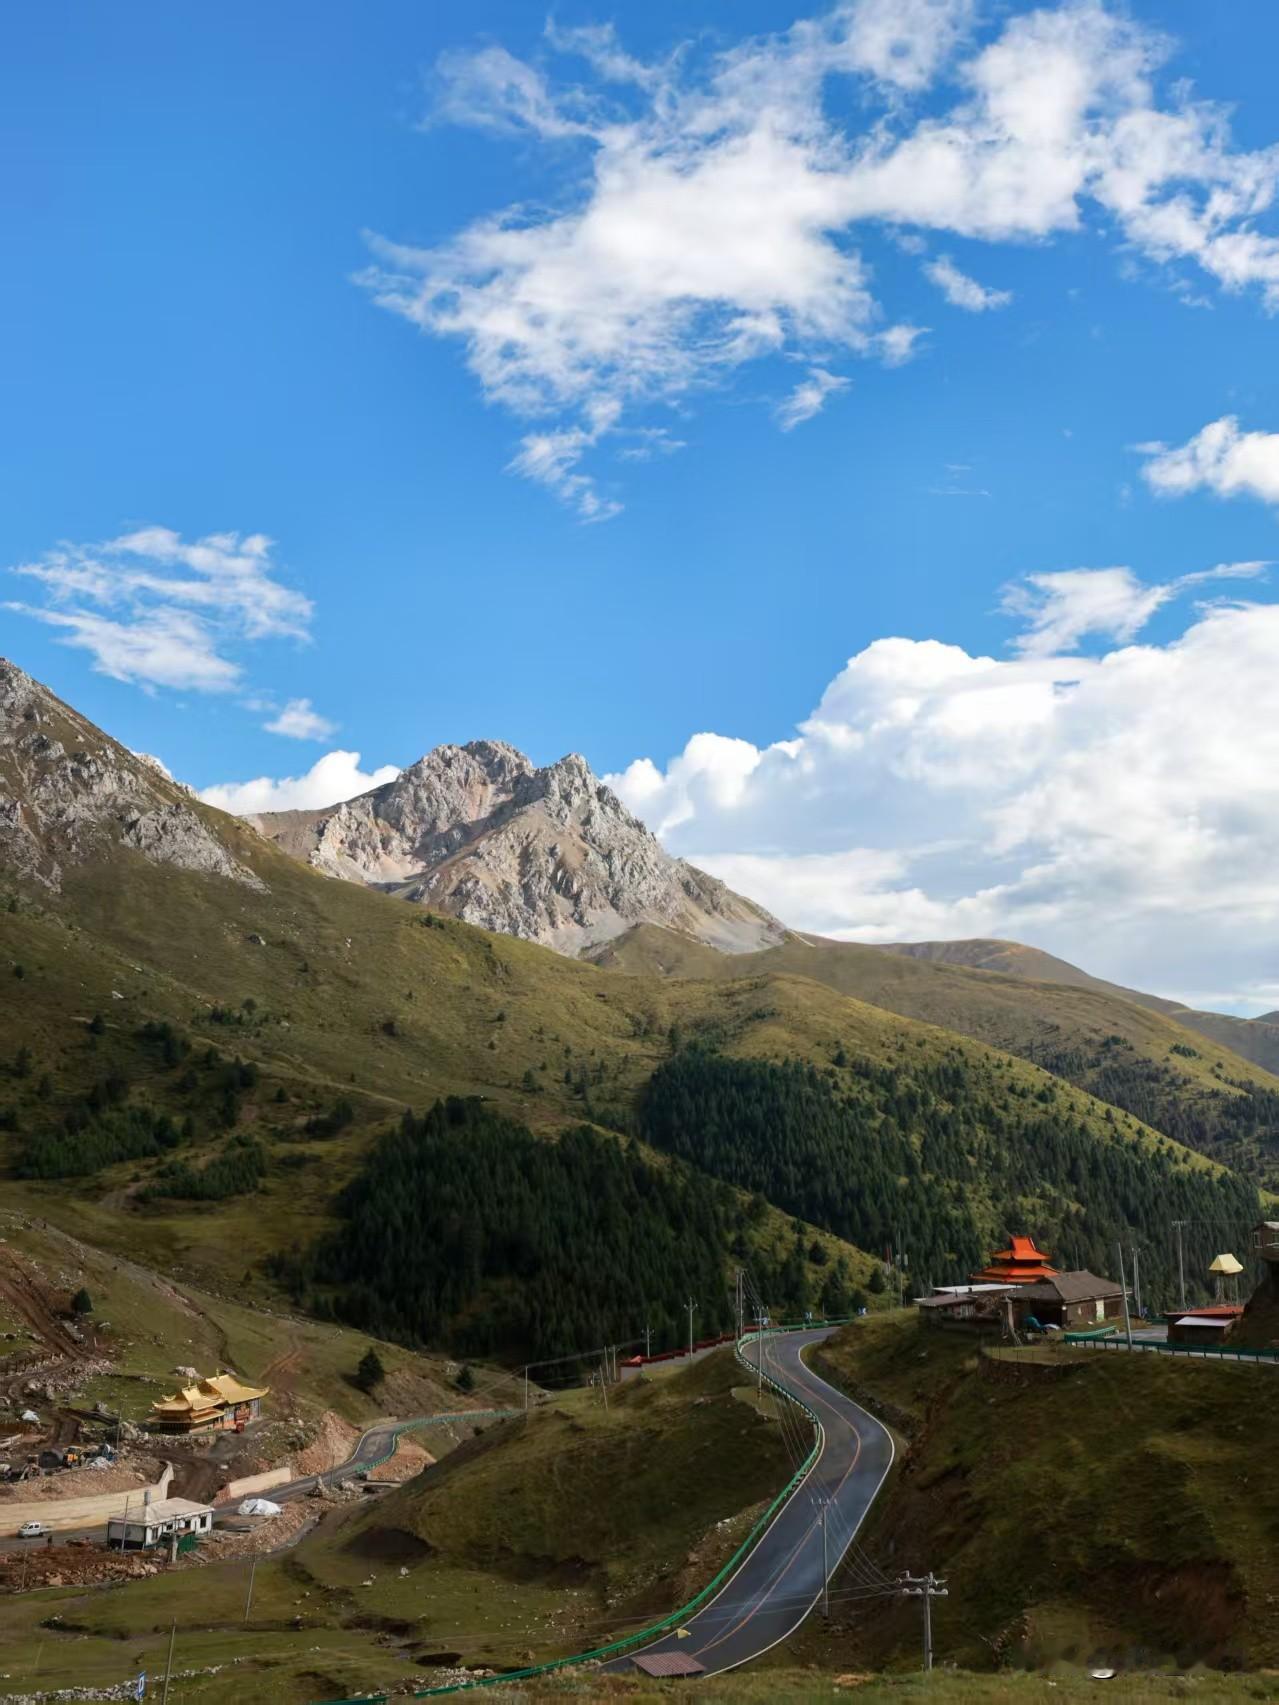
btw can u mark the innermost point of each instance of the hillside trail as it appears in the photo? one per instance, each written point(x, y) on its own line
point(144, 1276)
point(31, 1300)
point(281, 1371)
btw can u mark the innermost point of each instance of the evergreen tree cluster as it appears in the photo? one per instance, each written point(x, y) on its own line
point(467, 1231)
point(1236, 1123)
point(940, 1159)
point(237, 1171)
point(90, 1138)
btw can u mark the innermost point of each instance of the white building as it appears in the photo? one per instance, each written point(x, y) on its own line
point(154, 1524)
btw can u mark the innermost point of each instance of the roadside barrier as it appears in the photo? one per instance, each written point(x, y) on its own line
point(1210, 1352)
point(616, 1647)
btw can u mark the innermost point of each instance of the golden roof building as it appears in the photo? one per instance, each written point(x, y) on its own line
point(221, 1403)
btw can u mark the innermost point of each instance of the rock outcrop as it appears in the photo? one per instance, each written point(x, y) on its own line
point(551, 855)
point(67, 790)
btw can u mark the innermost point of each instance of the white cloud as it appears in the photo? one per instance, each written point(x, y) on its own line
point(1061, 609)
point(334, 777)
point(712, 208)
point(158, 648)
point(809, 397)
point(964, 292)
point(1220, 459)
point(551, 459)
point(903, 42)
point(1121, 809)
point(300, 721)
point(175, 606)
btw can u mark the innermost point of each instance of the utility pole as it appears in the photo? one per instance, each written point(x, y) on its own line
point(1123, 1286)
point(1179, 1226)
point(1136, 1281)
point(927, 1587)
point(692, 1310)
point(739, 1307)
point(604, 1383)
point(248, 1597)
point(648, 1341)
point(760, 1318)
point(168, 1668)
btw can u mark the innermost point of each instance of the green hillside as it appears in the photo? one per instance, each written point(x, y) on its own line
point(1255, 1039)
point(1186, 1084)
point(205, 1066)
point(532, 1539)
point(1086, 1508)
point(198, 1066)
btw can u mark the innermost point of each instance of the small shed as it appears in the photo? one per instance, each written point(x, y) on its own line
point(154, 1523)
point(1201, 1328)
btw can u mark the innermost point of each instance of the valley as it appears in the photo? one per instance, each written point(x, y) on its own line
point(379, 1162)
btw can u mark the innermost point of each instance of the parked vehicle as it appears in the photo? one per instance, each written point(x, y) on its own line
point(34, 1530)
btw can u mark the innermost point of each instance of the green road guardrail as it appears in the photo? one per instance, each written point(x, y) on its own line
point(1218, 1352)
point(426, 1421)
point(616, 1647)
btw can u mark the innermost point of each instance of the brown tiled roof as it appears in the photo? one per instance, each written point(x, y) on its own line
point(1070, 1287)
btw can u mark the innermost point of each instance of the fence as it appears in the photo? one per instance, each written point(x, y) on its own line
point(1157, 1346)
point(616, 1647)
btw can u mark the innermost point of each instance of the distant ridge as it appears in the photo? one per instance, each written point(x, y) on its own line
point(1256, 1039)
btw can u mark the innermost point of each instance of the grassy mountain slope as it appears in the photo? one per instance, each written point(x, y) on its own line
point(608, 1503)
point(344, 997)
point(1141, 1060)
point(146, 1323)
point(199, 1058)
point(1120, 1509)
point(334, 993)
point(1255, 1039)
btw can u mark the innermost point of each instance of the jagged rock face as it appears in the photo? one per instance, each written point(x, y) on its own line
point(65, 787)
point(551, 855)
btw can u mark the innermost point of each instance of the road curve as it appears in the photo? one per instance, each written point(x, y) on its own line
point(782, 1579)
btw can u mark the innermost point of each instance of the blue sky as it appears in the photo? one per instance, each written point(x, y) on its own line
point(195, 349)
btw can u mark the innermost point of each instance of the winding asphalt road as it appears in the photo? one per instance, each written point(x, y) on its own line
point(782, 1579)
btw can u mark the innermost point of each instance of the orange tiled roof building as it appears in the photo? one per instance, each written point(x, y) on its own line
point(1020, 1264)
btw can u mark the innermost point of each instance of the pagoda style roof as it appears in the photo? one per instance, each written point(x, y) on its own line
point(1022, 1263)
point(207, 1397)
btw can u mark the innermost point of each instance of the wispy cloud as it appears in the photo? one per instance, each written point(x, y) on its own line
point(552, 458)
point(153, 608)
point(964, 292)
point(809, 397)
point(1059, 610)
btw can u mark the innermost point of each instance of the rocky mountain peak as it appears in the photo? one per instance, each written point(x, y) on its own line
point(550, 854)
point(68, 792)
